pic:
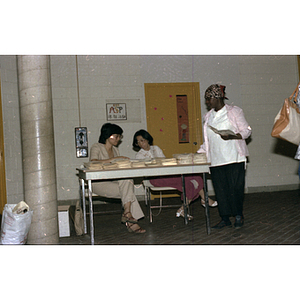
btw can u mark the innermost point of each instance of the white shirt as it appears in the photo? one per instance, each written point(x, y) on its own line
point(154, 151)
point(222, 152)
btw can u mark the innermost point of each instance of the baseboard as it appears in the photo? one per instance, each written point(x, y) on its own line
point(273, 188)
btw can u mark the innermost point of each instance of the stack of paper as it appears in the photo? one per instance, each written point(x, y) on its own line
point(169, 161)
point(122, 163)
point(93, 165)
point(199, 158)
point(110, 166)
point(184, 159)
point(138, 164)
point(153, 163)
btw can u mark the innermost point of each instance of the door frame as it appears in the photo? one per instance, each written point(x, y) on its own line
point(3, 196)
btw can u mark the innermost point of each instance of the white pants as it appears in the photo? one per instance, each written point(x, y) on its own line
point(123, 189)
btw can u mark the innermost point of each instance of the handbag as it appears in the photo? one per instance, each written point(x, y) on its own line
point(287, 122)
point(78, 220)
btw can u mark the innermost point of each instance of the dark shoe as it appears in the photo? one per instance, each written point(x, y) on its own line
point(239, 221)
point(222, 224)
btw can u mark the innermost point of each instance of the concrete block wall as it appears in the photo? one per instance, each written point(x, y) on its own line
point(265, 81)
point(102, 79)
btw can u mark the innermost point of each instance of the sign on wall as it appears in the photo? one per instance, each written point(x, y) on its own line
point(81, 141)
point(183, 119)
point(116, 111)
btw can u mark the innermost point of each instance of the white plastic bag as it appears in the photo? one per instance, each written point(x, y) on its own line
point(15, 224)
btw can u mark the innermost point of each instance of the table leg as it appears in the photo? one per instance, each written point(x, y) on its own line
point(83, 204)
point(206, 204)
point(149, 204)
point(184, 200)
point(91, 213)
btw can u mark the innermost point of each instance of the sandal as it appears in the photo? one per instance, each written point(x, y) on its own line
point(215, 203)
point(180, 213)
point(129, 226)
point(125, 218)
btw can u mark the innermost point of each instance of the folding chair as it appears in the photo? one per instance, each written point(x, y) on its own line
point(150, 188)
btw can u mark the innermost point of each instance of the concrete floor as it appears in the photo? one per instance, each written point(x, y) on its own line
point(271, 218)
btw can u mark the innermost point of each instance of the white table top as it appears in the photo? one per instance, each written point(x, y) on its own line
point(142, 172)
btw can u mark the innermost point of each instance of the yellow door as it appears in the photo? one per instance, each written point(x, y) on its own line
point(174, 116)
point(2, 162)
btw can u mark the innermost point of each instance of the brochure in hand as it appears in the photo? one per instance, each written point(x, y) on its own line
point(222, 132)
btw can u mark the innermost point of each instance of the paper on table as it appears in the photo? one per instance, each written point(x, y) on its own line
point(222, 132)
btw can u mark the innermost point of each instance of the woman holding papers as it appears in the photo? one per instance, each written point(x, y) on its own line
point(225, 130)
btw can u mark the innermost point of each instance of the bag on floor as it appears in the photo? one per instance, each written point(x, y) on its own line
point(15, 224)
point(287, 122)
point(78, 220)
point(297, 155)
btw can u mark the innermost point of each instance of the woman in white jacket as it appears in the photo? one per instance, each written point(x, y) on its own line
point(225, 130)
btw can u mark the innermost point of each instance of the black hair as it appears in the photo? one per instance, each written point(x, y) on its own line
point(107, 130)
point(145, 134)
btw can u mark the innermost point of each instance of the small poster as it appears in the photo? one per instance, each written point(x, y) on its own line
point(81, 142)
point(116, 111)
point(183, 119)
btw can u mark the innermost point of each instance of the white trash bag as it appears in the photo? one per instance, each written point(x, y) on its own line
point(15, 224)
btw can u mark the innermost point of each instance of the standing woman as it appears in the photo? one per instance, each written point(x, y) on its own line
point(106, 151)
point(227, 154)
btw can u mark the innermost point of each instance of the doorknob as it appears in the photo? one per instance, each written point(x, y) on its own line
point(195, 143)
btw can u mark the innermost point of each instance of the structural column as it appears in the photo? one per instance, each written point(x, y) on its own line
point(38, 147)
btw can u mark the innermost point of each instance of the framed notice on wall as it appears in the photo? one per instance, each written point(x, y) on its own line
point(116, 111)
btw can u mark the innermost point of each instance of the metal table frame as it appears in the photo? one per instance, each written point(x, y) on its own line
point(90, 175)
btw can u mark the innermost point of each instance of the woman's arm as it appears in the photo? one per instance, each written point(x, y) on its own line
point(140, 155)
point(237, 118)
point(99, 154)
point(158, 152)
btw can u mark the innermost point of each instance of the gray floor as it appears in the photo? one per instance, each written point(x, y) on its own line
point(271, 218)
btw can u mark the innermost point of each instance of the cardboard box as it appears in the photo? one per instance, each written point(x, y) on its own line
point(63, 220)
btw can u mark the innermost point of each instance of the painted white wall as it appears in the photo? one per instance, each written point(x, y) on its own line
point(258, 84)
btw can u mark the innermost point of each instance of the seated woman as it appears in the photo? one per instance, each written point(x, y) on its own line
point(193, 183)
point(106, 151)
